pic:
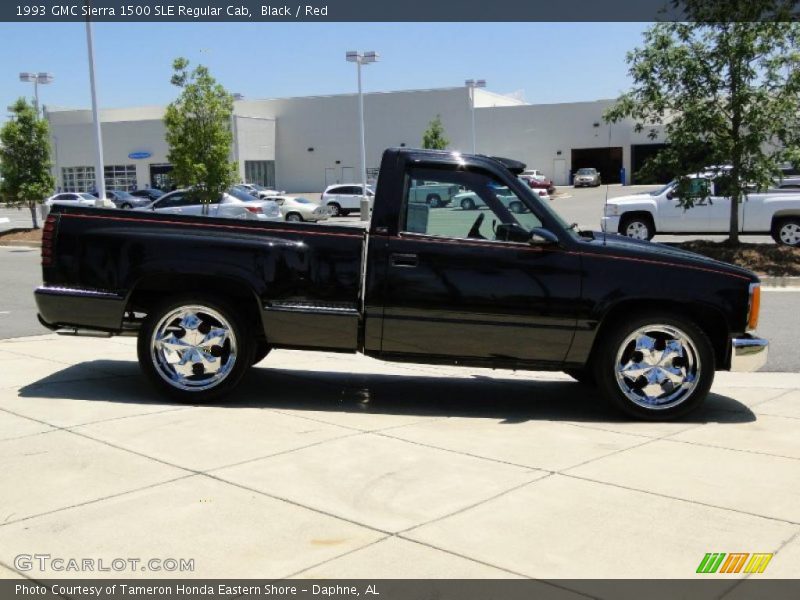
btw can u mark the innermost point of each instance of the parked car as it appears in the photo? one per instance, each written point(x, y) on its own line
point(126, 200)
point(539, 184)
point(300, 209)
point(472, 201)
point(535, 173)
point(344, 198)
point(435, 195)
point(259, 191)
point(72, 199)
point(647, 324)
point(787, 184)
point(642, 216)
point(586, 177)
point(150, 193)
point(233, 204)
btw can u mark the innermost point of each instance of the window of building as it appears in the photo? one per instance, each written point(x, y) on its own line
point(120, 177)
point(77, 179)
point(261, 172)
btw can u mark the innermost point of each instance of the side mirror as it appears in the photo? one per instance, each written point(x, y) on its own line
point(543, 235)
point(670, 195)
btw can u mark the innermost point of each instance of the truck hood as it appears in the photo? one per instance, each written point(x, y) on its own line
point(615, 243)
point(631, 199)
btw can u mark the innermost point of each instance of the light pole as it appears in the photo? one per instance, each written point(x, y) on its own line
point(36, 79)
point(471, 85)
point(362, 58)
point(99, 170)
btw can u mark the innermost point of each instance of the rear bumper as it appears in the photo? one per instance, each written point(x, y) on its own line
point(90, 309)
point(748, 353)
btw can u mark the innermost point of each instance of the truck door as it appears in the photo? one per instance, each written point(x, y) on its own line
point(466, 285)
point(672, 215)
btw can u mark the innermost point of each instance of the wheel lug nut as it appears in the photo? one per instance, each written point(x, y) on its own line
point(216, 351)
point(198, 369)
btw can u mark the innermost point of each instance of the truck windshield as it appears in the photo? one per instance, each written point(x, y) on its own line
point(663, 189)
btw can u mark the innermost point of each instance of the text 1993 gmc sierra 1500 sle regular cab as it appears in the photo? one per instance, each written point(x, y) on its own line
point(209, 297)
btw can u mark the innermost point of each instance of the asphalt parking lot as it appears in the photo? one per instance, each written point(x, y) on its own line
point(333, 466)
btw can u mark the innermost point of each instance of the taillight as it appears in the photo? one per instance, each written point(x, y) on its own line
point(254, 209)
point(49, 239)
point(755, 306)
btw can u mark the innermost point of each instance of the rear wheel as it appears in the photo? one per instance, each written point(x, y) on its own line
point(434, 200)
point(335, 209)
point(515, 206)
point(467, 204)
point(126, 206)
point(194, 349)
point(654, 366)
point(787, 232)
point(638, 228)
point(294, 217)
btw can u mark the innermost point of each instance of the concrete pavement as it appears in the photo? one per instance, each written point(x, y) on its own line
point(326, 465)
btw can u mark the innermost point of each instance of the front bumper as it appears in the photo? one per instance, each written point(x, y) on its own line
point(748, 353)
point(609, 224)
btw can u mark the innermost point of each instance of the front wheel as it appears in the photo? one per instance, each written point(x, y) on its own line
point(294, 217)
point(434, 201)
point(194, 349)
point(654, 366)
point(467, 204)
point(126, 206)
point(334, 209)
point(787, 232)
point(638, 228)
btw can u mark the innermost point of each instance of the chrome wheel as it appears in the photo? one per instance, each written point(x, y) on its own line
point(193, 348)
point(637, 230)
point(657, 367)
point(789, 233)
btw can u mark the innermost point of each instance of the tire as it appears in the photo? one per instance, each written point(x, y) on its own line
point(294, 217)
point(583, 376)
point(787, 232)
point(126, 206)
point(335, 209)
point(638, 228)
point(467, 204)
point(197, 317)
point(515, 206)
point(434, 200)
point(343, 212)
point(654, 366)
point(260, 351)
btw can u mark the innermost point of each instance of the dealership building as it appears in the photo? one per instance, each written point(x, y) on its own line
point(304, 144)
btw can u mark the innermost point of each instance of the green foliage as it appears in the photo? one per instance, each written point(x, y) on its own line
point(433, 138)
point(725, 88)
point(199, 132)
point(25, 159)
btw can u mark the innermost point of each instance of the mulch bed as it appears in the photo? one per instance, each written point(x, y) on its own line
point(765, 259)
point(22, 235)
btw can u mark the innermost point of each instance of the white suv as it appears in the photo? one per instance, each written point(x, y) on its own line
point(344, 198)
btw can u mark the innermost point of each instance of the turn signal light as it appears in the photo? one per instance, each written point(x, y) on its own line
point(755, 306)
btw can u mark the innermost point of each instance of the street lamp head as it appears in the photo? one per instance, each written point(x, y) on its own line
point(362, 58)
point(481, 83)
point(371, 56)
point(44, 78)
point(352, 56)
point(29, 77)
point(469, 83)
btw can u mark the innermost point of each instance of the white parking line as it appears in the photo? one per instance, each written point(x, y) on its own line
point(781, 289)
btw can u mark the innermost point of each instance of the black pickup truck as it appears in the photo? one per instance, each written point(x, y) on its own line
point(507, 284)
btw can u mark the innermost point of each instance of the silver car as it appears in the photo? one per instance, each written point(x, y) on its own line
point(300, 209)
point(586, 177)
point(233, 204)
point(126, 200)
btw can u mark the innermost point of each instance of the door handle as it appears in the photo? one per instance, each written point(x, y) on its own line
point(404, 260)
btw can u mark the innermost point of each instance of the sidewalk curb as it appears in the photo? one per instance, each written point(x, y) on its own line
point(781, 282)
point(20, 243)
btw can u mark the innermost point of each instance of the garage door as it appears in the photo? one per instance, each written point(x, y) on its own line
point(606, 160)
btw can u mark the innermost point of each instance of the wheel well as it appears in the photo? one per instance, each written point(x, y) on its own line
point(153, 289)
point(710, 320)
point(637, 214)
point(432, 196)
point(779, 217)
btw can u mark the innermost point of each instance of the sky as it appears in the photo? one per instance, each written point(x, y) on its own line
point(542, 62)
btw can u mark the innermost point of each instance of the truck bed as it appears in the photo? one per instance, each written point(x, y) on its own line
point(306, 277)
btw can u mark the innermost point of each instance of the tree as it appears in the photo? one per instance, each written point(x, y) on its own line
point(725, 88)
point(199, 133)
point(433, 138)
point(25, 178)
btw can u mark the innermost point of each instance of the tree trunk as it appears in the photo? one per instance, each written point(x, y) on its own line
point(733, 233)
point(32, 207)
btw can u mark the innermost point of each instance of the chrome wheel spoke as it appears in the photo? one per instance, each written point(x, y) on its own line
point(193, 348)
point(657, 366)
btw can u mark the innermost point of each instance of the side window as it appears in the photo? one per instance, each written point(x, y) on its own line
point(170, 200)
point(337, 191)
point(464, 205)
